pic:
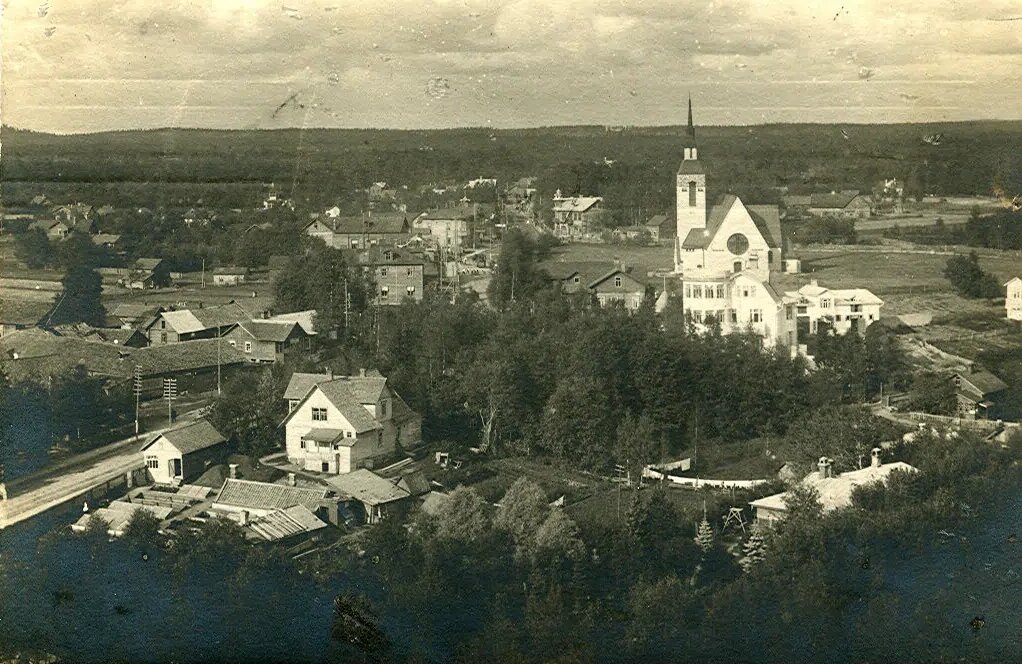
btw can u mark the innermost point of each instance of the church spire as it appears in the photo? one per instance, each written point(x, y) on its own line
point(691, 126)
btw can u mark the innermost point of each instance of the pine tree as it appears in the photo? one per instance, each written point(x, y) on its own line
point(704, 534)
point(754, 550)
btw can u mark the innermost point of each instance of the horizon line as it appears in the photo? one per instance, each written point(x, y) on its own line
point(504, 129)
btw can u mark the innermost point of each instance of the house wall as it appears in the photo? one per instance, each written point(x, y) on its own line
point(228, 279)
point(397, 279)
point(841, 317)
point(746, 305)
point(193, 464)
point(254, 350)
point(340, 458)
point(1013, 301)
point(161, 333)
point(450, 233)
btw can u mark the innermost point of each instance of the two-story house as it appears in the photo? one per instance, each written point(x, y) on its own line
point(742, 303)
point(337, 424)
point(189, 324)
point(575, 217)
point(449, 228)
point(397, 273)
point(836, 309)
point(267, 340)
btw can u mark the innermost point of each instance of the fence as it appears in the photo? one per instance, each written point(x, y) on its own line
point(651, 473)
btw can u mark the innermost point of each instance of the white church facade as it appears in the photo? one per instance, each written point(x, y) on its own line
point(725, 256)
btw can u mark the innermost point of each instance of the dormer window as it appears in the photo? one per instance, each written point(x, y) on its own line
point(617, 282)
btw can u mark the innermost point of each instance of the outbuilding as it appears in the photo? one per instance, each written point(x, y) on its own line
point(184, 453)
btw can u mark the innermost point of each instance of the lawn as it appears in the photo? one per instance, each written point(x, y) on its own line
point(642, 260)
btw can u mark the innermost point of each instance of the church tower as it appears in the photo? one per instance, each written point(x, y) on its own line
point(691, 191)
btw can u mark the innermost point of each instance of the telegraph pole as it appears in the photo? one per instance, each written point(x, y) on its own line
point(218, 365)
point(136, 388)
point(170, 393)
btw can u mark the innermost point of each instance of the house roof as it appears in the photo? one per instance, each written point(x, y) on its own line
point(24, 312)
point(269, 330)
point(377, 223)
point(656, 221)
point(41, 354)
point(134, 310)
point(793, 200)
point(616, 271)
point(147, 263)
point(303, 318)
point(450, 214)
point(576, 204)
point(983, 382)
point(329, 436)
point(414, 483)
point(231, 270)
point(185, 356)
point(367, 487)
point(106, 238)
point(288, 522)
point(301, 383)
point(836, 492)
point(340, 393)
point(266, 496)
point(1012, 281)
point(833, 201)
point(190, 438)
point(185, 321)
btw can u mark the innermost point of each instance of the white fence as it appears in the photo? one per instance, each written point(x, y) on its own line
point(652, 473)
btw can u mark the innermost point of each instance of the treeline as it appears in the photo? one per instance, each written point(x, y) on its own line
point(821, 230)
point(999, 230)
point(322, 163)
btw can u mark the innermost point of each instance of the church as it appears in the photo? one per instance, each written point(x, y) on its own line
point(725, 256)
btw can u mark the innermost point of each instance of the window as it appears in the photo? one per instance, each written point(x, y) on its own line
point(788, 313)
point(756, 315)
point(734, 315)
point(384, 292)
point(825, 304)
point(233, 343)
point(163, 324)
point(752, 291)
point(163, 337)
point(692, 193)
point(720, 291)
point(152, 462)
point(248, 346)
point(411, 290)
point(303, 443)
point(617, 282)
point(410, 272)
point(745, 292)
point(576, 279)
point(326, 466)
point(738, 244)
point(697, 291)
point(383, 271)
point(319, 414)
point(688, 290)
point(348, 434)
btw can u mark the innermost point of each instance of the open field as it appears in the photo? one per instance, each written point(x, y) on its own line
point(642, 260)
point(877, 224)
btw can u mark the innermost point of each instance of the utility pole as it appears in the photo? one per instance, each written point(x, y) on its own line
point(347, 305)
point(170, 393)
point(218, 365)
point(203, 272)
point(136, 388)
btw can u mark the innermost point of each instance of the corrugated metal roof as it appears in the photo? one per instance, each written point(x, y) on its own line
point(266, 496)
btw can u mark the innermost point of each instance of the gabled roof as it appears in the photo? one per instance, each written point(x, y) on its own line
point(576, 204)
point(656, 221)
point(147, 263)
point(301, 383)
point(616, 271)
point(185, 356)
point(375, 223)
point(1013, 280)
point(266, 496)
point(766, 218)
point(367, 487)
point(185, 321)
point(983, 382)
point(190, 438)
point(450, 214)
point(342, 396)
point(269, 330)
point(231, 270)
point(303, 318)
point(281, 524)
point(105, 238)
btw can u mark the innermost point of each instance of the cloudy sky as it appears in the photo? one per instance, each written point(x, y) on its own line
point(90, 65)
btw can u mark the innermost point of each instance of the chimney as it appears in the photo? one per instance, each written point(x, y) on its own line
point(874, 461)
point(292, 480)
point(243, 517)
point(233, 470)
point(814, 282)
point(823, 467)
point(362, 373)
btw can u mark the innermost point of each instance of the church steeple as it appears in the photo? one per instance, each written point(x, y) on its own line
point(691, 126)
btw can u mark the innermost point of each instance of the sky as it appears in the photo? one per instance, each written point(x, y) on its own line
point(95, 65)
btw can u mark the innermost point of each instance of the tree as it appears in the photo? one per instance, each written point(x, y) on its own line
point(754, 549)
point(463, 518)
point(557, 539)
point(33, 249)
point(704, 534)
point(249, 412)
point(516, 275)
point(143, 528)
point(578, 420)
point(522, 511)
point(968, 278)
point(79, 302)
point(803, 504)
point(356, 626)
point(638, 443)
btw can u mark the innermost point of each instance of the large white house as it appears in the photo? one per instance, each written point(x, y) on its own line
point(1013, 298)
point(337, 424)
point(837, 309)
point(725, 256)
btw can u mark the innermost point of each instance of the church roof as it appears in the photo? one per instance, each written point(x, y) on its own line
point(691, 167)
point(766, 218)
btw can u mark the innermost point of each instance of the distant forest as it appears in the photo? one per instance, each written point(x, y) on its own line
point(632, 167)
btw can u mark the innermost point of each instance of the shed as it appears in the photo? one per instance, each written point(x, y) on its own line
point(183, 453)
